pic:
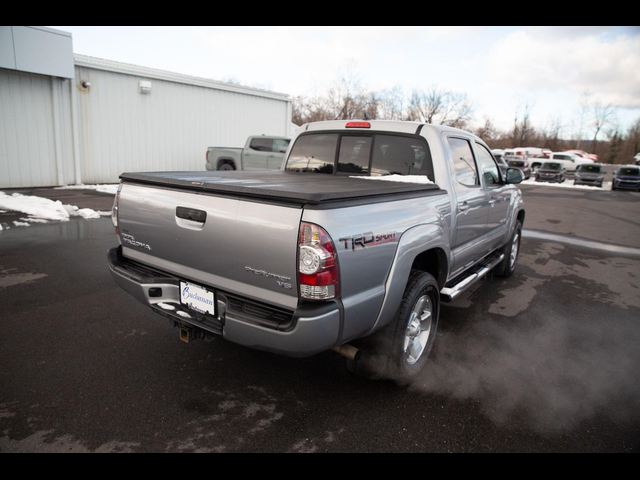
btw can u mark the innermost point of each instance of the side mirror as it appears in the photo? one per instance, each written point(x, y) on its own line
point(514, 175)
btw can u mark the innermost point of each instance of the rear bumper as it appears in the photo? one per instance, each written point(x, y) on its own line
point(309, 330)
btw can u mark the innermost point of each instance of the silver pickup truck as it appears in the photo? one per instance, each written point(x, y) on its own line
point(260, 152)
point(352, 246)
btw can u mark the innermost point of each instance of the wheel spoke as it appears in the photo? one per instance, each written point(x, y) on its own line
point(425, 321)
point(416, 348)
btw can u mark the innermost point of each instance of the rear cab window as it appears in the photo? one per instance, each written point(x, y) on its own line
point(372, 154)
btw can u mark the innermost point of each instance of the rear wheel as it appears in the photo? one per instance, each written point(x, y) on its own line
point(400, 351)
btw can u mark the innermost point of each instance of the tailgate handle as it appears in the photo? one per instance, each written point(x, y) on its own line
point(192, 214)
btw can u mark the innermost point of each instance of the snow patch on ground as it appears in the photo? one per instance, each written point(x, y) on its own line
point(108, 188)
point(567, 184)
point(401, 178)
point(43, 210)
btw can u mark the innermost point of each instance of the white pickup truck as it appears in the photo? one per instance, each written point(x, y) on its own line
point(261, 152)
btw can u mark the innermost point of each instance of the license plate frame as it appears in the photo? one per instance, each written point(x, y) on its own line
point(198, 298)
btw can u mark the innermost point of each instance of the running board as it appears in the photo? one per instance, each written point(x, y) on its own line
point(449, 294)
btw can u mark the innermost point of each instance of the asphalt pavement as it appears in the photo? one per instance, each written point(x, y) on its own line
point(545, 361)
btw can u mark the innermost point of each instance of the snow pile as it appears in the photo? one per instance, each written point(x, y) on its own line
point(109, 188)
point(567, 184)
point(37, 207)
point(401, 178)
point(43, 210)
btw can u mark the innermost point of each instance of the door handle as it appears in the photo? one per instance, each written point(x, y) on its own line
point(463, 207)
point(492, 202)
point(199, 216)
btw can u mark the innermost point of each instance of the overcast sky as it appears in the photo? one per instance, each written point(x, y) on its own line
point(498, 68)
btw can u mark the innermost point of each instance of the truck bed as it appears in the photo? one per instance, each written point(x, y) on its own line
point(286, 187)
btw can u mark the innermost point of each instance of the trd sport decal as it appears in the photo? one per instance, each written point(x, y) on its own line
point(366, 240)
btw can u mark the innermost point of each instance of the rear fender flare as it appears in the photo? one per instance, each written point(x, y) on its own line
point(413, 242)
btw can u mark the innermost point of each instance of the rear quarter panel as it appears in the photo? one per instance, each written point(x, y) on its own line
point(367, 238)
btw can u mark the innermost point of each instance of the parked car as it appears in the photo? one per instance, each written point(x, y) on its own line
point(260, 152)
point(589, 175)
point(311, 258)
point(581, 153)
point(636, 159)
point(626, 178)
point(551, 172)
point(530, 151)
point(523, 166)
point(569, 161)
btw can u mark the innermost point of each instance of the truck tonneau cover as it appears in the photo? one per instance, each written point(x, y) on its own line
point(288, 187)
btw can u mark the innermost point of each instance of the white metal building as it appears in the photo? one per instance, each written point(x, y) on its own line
point(75, 119)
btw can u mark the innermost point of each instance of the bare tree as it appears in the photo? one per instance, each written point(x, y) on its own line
point(603, 115)
point(487, 132)
point(390, 104)
point(440, 106)
point(583, 116)
point(522, 128)
point(551, 134)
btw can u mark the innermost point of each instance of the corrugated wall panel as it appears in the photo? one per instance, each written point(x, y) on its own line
point(169, 129)
point(27, 136)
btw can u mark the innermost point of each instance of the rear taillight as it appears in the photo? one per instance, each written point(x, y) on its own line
point(207, 156)
point(114, 210)
point(318, 267)
point(358, 125)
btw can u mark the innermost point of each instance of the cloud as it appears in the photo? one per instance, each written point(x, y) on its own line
point(607, 67)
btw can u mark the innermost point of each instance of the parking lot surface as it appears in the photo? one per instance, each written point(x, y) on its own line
point(546, 360)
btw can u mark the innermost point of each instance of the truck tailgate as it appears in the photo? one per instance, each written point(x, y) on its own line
point(225, 243)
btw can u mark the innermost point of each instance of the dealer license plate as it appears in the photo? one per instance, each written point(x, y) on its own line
point(197, 298)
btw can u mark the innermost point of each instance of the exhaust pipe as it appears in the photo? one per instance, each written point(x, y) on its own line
point(349, 351)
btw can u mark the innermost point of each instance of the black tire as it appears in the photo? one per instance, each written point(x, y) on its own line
point(388, 354)
point(508, 265)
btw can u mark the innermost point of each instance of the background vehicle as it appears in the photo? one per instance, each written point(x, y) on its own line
point(581, 153)
point(368, 227)
point(522, 165)
point(502, 163)
point(259, 153)
point(530, 151)
point(589, 175)
point(551, 172)
point(627, 178)
point(636, 159)
point(569, 161)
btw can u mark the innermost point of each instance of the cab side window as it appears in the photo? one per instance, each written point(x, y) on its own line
point(464, 162)
point(261, 144)
point(490, 171)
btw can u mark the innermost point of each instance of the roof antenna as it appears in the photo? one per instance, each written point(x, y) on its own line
point(367, 117)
